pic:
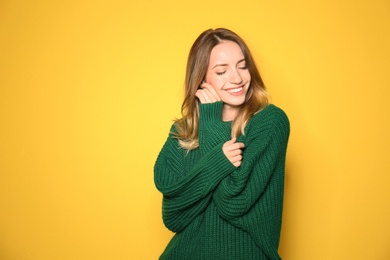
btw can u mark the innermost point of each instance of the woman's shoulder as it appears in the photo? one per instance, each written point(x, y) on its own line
point(270, 113)
point(270, 116)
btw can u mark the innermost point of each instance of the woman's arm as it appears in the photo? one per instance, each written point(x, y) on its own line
point(186, 192)
point(263, 158)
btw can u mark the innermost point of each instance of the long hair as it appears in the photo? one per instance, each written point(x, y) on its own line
point(198, 60)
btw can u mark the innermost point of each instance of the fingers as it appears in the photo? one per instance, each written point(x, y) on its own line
point(231, 141)
point(237, 164)
point(236, 160)
point(233, 151)
point(207, 94)
point(238, 146)
point(231, 145)
point(211, 90)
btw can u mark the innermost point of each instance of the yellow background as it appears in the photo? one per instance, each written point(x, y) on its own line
point(88, 90)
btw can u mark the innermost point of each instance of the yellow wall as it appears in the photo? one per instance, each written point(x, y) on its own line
point(88, 90)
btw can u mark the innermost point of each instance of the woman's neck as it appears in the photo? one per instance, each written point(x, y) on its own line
point(229, 113)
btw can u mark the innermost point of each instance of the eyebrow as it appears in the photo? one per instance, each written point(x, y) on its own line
point(222, 65)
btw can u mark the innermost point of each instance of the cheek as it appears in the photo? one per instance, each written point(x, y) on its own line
point(247, 75)
point(215, 87)
point(216, 82)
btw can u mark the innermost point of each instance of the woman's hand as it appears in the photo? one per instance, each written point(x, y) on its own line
point(233, 151)
point(207, 94)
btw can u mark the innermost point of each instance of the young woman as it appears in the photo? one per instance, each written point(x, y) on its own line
point(221, 170)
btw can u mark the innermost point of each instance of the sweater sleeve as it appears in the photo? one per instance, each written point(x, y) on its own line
point(263, 158)
point(187, 190)
point(212, 131)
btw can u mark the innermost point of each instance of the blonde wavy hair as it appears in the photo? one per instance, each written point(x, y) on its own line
point(187, 127)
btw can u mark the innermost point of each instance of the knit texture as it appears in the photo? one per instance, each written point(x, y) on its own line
point(219, 211)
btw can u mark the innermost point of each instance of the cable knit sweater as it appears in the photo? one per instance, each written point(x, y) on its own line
point(219, 211)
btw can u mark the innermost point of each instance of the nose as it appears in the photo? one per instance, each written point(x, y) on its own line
point(235, 77)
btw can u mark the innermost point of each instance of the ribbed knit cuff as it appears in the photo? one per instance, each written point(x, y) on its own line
point(218, 162)
point(212, 131)
point(211, 112)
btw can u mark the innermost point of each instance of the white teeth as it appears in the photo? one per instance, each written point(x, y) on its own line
point(234, 90)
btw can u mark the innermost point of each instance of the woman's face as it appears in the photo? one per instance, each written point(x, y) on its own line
point(228, 74)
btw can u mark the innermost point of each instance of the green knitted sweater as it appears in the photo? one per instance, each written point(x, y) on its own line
point(219, 211)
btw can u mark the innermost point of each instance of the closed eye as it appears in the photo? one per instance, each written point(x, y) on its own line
point(241, 64)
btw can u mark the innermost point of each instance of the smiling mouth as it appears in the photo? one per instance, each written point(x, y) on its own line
point(234, 90)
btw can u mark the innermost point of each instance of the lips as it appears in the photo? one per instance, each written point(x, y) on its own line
point(234, 90)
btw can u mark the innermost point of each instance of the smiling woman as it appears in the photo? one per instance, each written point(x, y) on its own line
point(87, 94)
point(221, 170)
point(227, 77)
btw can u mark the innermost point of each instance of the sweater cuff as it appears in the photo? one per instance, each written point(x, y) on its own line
point(211, 112)
point(218, 163)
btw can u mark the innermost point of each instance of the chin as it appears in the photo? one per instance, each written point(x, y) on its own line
point(236, 103)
